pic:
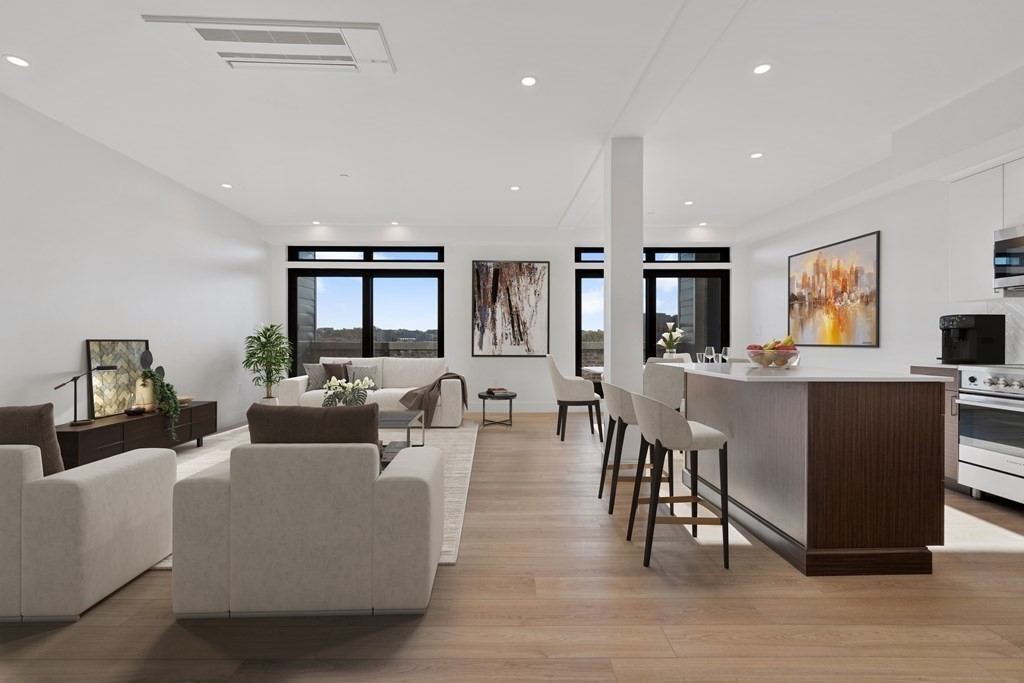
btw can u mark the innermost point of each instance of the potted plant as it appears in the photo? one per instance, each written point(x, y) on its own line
point(165, 397)
point(670, 340)
point(268, 355)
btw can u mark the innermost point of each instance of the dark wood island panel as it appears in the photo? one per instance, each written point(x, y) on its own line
point(839, 478)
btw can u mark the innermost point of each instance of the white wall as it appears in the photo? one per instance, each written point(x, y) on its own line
point(914, 279)
point(95, 245)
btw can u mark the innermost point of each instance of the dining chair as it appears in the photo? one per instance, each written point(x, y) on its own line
point(574, 391)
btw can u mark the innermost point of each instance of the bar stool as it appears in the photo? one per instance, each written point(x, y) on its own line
point(669, 431)
point(619, 404)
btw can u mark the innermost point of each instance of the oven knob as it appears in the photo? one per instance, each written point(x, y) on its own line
point(972, 379)
point(1018, 385)
point(1003, 383)
point(991, 381)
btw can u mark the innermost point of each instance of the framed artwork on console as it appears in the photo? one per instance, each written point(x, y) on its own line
point(511, 308)
point(833, 293)
point(111, 392)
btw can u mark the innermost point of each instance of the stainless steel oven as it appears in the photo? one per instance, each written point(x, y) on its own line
point(1008, 258)
point(991, 414)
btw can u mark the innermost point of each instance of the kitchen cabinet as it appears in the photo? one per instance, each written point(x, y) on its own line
point(950, 421)
point(975, 213)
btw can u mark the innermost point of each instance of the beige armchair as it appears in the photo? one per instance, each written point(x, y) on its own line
point(574, 391)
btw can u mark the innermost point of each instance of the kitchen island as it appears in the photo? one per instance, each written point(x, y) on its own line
point(838, 471)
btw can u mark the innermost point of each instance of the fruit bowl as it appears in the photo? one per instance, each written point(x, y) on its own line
point(774, 358)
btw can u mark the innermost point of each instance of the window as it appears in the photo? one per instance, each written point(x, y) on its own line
point(365, 313)
point(662, 254)
point(590, 324)
point(589, 255)
point(374, 254)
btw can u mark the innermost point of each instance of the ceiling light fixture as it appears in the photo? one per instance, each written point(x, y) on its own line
point(762, 69)
point(702, 224)
point(514, 188)
point(528, 81)
point(15, 60)
point(756, 155)
point(688, 202)
point(226, 186)
point(394, 222)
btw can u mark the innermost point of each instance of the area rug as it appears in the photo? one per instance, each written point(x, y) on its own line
point(458, 446)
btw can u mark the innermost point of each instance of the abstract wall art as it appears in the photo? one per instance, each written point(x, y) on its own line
point(111, 392)
point(833, 294)
point(511, 308)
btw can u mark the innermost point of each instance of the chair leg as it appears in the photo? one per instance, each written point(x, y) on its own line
point(565, 419)
point(618, 460)
point(671, 484)
point(693, 487)
point(636, 485)
point(604, 463)
point(558, 421)
point(600, 434)
point(657, 468)
point(723, 474)
point(590, 414)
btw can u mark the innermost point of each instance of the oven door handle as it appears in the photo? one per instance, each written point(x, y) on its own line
point(1001, 405)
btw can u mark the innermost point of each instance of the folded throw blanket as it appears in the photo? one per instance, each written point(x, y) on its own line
point(425, 398)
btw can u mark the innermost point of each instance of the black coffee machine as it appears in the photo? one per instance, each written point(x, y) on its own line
point(973, 339)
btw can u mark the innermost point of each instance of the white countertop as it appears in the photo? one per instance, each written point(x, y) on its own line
point(746, 372)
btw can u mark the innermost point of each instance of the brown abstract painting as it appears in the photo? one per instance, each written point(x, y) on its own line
point(510, 308)
point(833, 294)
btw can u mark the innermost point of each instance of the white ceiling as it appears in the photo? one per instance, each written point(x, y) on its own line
point(439, 142)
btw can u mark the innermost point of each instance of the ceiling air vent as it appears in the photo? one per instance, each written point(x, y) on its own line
point(294, 45)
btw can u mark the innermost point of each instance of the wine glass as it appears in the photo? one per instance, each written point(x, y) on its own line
point(724, 356)
point(700, 357)
point(709, 354)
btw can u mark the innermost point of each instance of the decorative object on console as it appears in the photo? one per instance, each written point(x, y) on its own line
point(268, 355)
point(109, 394)
point(833, 293)
point(165, 397)
point(511, 308)
point(74, 380)
point(32, 426)
point(345, 393)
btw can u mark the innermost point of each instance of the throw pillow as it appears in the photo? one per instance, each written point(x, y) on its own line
point(32, 426)
point(336, 370)
point(299, 424)
point(317, 375)
point(357, 372)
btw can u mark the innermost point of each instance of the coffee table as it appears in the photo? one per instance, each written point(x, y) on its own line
point(397, 419)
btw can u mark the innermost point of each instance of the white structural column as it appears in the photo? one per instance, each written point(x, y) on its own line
point(623, 262)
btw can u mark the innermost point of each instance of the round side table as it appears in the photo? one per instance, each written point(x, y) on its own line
point(507, 396)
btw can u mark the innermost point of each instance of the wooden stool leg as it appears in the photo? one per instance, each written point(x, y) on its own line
point(693, 488)
point(590, 414)
point(671, 484)
point(723, 474)
point(604, 463)
point(618, 461)
point(600, 434)
point(636, 485)
point(657, 469)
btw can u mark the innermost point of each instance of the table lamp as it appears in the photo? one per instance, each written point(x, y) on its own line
point(76, 422)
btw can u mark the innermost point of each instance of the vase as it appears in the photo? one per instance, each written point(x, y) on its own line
point(670, 354)
point(145, 395)
point(269, 401)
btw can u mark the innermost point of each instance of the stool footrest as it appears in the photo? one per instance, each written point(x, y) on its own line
point(688, 520)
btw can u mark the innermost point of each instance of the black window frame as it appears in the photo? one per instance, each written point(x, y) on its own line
point(368, 275)
point(581, 274)
point(713, 254)
point(294, 254)
point(580, 251)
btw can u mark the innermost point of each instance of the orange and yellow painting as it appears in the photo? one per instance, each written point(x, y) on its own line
point(833, 294)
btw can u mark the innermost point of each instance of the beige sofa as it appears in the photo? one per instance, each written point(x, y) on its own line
point(395, 376)
point(308, 529)
point(70, 539)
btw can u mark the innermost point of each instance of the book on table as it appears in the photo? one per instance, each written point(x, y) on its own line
point(498, 391)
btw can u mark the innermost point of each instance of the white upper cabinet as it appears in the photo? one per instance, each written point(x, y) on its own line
point(975, 212)
point(1013, 194)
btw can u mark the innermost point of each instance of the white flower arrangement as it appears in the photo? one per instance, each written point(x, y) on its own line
point(346, 393)
point(669, 340)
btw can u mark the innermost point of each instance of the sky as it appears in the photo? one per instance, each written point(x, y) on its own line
point(398, 302)
point(592, 300)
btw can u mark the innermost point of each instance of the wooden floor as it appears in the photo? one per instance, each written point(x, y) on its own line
point(546, 588)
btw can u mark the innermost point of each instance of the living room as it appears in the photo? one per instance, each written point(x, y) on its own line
point(666, 162)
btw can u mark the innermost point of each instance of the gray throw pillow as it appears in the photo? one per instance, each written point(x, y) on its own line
point(32, 426)
point(317, 376)
point(357, 372)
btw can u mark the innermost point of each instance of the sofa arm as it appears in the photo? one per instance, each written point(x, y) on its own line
point(200, 580)
point(18, 466)
point(449, 408)
point(289, 390)
point(88, 531)
point(408, 528)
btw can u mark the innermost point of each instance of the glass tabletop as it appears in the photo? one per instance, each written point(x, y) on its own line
point(398, 418)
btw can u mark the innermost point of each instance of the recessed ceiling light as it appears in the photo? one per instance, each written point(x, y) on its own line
point(394, 222)
point(688, 202)
point(226, 186)
point(762, 69)
point(528, 81)
point(316, 222)
point(702, 224)
point(514, 188)
point(15, 60)
point(756, 155)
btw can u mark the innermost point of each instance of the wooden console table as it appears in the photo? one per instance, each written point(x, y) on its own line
point(109, 436)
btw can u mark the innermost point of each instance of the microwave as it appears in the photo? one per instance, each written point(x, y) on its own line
point(1008, 259)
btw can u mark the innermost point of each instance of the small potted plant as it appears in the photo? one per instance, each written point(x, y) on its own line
point(164, 396)
point(268, 356)
point(345, 393)
point(670, 340)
